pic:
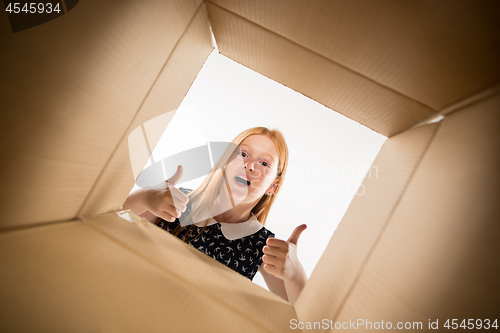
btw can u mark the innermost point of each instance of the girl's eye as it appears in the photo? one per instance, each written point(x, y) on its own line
point(244, 154)
point(265, 164)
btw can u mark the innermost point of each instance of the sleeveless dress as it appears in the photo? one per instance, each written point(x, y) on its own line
point(236, 245)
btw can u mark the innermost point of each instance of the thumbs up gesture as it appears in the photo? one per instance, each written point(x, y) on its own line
point(280, 256)
point(167, 204)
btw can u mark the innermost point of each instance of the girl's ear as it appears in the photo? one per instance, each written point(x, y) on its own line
point(273, 187)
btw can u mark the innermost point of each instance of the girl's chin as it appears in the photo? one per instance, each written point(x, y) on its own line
point(242, 195)
point(239, 196)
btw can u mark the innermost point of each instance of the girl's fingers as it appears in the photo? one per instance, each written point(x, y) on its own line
point(274, 251)
point(178, 196)
point(164, 215)
point(178, 201)
point(277, 242)
point(179, 206)
point(171, 210)
point(271, 260)
point(272, 270)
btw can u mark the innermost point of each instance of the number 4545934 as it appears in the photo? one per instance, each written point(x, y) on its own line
point(47, 8)
point(471, 324)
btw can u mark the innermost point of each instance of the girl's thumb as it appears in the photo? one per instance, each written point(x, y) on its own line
point(294, 238)
point(176, 177)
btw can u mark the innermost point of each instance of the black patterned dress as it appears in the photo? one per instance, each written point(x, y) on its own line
point(238, 246)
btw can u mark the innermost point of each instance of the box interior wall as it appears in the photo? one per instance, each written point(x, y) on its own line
point(420, 244)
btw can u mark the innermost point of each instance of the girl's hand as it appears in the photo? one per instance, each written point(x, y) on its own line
point(280, 257)
point(167, 204)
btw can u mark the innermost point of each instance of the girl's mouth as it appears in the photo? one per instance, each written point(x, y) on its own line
point(242, 182)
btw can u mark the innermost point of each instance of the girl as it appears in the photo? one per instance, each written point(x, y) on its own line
point(225, 216)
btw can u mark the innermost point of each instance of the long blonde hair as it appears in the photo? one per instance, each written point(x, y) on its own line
point(211, 186)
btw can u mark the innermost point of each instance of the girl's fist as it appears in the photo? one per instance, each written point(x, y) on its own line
point(280, 256)
point(167, 204)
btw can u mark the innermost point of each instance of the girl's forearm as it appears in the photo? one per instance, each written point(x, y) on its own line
point(294, 286)
point(134, 202)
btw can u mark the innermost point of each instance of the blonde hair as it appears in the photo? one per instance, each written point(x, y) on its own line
point(211, 186)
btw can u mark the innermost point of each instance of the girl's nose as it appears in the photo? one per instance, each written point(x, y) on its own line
point(250, 166)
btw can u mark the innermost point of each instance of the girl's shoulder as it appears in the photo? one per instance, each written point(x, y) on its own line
point(262, 234)
point(267, 232)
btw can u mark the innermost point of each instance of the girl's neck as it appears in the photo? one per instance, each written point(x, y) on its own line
point(237, 214)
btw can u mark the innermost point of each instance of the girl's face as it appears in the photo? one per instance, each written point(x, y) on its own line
point(253, 171)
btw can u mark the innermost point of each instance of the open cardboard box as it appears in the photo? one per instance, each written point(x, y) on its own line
point(419, 245)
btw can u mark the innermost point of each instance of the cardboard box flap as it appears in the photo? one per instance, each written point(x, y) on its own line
point(437, 259)
point(435, 53)
point(337, 87)
point(363, 223)
point(154, 114)
point(108, 274)
point(73, 86)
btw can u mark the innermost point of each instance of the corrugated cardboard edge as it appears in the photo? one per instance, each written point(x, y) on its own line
point(474, 98)
point(337, 87)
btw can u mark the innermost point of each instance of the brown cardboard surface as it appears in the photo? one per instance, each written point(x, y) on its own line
point(108, 274)
point(70, 89)
point(339, 88)
point(366, 218)
point(484, 94)
point(419, 244)
point(165, 96)
point(434, 52)
point(438, 256)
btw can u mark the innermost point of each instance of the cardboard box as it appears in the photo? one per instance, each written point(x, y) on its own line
point(419, 247)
